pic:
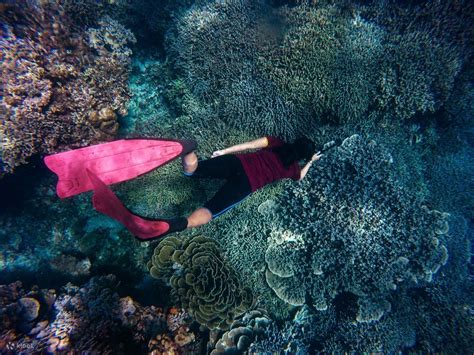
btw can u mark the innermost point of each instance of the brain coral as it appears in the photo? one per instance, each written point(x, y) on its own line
point(350, 227)
point(201, 279)
point(62, 86)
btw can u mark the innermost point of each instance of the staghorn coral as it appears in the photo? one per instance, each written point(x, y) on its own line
point(55, 77)
point(350, 227)
point(206, 286)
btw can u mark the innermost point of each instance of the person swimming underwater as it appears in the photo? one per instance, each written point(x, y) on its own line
point(98, 166)
point(245, 173)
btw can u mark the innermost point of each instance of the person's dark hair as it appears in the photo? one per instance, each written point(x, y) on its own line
point(301, 149)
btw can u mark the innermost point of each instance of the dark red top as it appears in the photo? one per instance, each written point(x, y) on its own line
point(263, 166)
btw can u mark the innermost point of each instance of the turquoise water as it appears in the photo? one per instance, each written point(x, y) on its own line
point(370, 252)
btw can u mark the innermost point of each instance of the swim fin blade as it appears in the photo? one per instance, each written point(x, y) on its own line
point(113, 162)
point(106, 202)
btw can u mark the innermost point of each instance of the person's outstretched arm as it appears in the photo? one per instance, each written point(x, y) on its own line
point(305, 169)
point(255, 144)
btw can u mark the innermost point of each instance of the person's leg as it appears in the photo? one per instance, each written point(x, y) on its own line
point(199, 217)
point(190, 163)
point(222, 167)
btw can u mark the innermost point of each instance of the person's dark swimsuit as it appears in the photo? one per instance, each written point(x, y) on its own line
point(245, 173)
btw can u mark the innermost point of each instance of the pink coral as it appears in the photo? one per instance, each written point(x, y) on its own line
point(55, 77)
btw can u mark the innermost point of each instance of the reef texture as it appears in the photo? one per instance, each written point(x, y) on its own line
point(293, 337)
point(206, 286)
point(92, 318)
point(284, 70)
point(350, 227)
point(62, 86)
point(243, 332)
point(215, 46)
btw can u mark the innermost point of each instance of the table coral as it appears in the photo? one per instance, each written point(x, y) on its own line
point(350, 227)
point(56, 76)
point(199, 276)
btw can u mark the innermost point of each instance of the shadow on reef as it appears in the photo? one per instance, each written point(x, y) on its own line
point(17, 189)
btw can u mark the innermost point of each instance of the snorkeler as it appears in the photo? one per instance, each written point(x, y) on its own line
point(96, 167)
point(246, 172)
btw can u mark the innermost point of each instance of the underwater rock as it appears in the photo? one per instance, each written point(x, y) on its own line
point(29, 308)
point(206, 286)
point(70, 265)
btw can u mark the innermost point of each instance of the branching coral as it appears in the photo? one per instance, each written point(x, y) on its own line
point(327, 62)
point(215, 46)
point(418, 75)
point(282, 71)
point(350, 227)
point(201, 279)
point(55, 78)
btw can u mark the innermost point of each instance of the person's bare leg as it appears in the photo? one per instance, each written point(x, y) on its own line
point(199, 217)
point(190, 163)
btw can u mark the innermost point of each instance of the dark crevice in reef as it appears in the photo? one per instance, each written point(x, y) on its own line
point(16, 189)
point(346, 306)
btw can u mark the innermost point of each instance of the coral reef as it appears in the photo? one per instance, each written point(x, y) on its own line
point(327, 63)
point(215, 45)
point(63, 86)
point(283, 70)
point(352, 259)
point(350, 227)
point(91, 318)
point(243, 331)
point(205, 285)
point(418, 76)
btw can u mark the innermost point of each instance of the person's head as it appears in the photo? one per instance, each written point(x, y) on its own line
point(300, 149)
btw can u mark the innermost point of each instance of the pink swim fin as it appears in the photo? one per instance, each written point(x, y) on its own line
point(106, 202)
point(112, 162)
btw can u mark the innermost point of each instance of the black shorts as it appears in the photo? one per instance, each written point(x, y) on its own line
point(235, 189)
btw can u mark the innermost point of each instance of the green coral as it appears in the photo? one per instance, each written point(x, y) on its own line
point(201, 279)
point(165, 192)
point(215, 47)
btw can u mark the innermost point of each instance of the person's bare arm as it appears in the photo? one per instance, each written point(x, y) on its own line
point(255, 144)
point(305, 169)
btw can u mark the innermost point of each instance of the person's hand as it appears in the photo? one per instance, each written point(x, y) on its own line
point(316, 156)
point(217, 153)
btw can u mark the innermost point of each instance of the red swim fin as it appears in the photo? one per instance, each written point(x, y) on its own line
point(106, 202)
point(112, 162)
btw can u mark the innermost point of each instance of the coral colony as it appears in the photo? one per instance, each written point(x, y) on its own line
point(371, 252)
